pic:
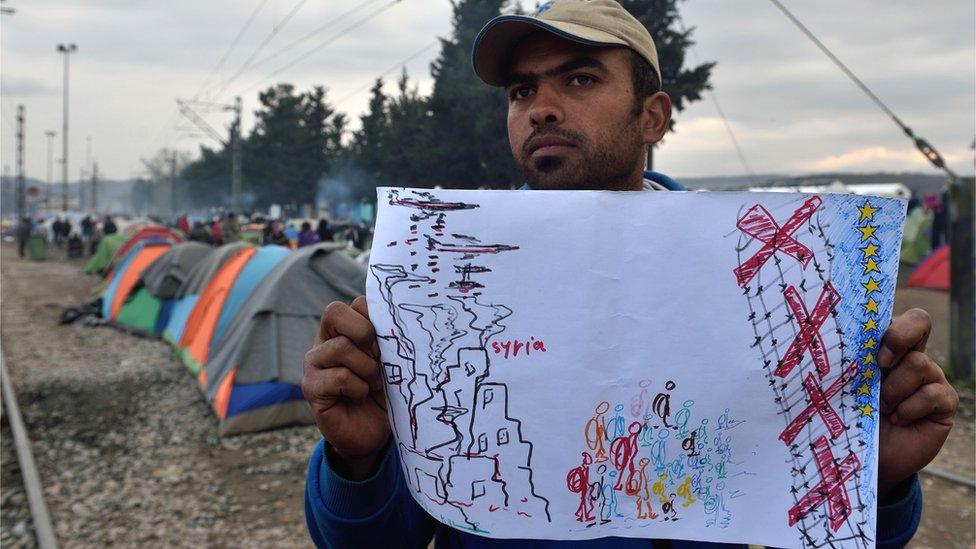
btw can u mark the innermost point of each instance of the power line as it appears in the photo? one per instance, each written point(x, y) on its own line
point(386, 72)
point(324, 43)
point(725, 119)
point(277, 28)
point(921, 144)
point(162, 133)
point(328, 24)
point(233, 45)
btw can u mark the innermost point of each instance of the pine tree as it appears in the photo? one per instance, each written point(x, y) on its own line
point(683, 85)
point(469, 137)
point(296, 139)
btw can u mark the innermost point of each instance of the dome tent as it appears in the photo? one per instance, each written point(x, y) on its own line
point(167, 275)
point(105, 251)
point(189, 292)
point(221, 300)
point(253, 376)
point(933, 272)
point(140, 234)
point(148, 308)
point(127, 275)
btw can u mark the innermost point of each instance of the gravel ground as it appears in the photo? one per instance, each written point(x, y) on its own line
point(125, 444)
point(127, 449)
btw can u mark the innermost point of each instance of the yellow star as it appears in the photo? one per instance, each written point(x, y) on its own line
point(868, 374)
point(866, 410)
point(871, 285)
point(870, 325)
point(871, 306)
point(871, 250)
point(869, 358)
point(871, 265)
point(867, 212)
point(864, 390)
point(867, 231)
point(869, 344)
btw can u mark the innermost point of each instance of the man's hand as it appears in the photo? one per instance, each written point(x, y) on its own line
point(344, 387)
point(917, 403)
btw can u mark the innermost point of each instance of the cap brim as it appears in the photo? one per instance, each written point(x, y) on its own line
point(494, 44)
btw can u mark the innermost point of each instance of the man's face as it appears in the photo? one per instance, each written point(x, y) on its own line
point(573, 120)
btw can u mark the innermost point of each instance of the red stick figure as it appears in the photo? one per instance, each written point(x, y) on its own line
point(623, 449)
point(578, 482)
point(595, 431)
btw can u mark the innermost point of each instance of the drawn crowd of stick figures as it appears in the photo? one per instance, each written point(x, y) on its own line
point(643, 463)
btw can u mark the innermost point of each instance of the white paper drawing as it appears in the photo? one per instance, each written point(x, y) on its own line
point(581, 364)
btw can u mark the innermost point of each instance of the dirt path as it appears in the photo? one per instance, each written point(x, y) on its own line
point(128, 455)
point(125, 444)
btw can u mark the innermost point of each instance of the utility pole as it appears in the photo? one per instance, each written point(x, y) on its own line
point(67, 50)
point(962, 301)
point(94, 188)
point(235, 170)
point(21, 190)
point(234, 143)
point(172, 182)
point(50, 167)
point(84, 173)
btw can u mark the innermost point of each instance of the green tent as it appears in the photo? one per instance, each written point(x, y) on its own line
point(106, 249)
point(916, 243)
point(140, 311)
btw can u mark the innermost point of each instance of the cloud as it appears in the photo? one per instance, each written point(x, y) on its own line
point(876, 158)
point(791, 110)
point(14, 86)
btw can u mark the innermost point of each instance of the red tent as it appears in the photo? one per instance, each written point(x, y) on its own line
point(933, 271)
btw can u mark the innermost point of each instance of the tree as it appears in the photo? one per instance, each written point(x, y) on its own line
point(296, 138)
point(469, 137)
point(672, 40)
point(207, 180)
point(163, 170)
point(368, 146)
point(409, 138)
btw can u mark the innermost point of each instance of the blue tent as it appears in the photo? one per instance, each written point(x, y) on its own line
point(266, 258)
point(109, 294)
point(189, 292)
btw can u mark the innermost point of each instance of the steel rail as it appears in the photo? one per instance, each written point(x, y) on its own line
point(28, 469)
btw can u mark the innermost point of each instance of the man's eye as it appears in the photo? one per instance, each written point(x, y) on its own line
point(519, 93)
point(580, 80)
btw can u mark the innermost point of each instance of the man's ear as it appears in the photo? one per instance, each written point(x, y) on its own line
point(657, 110)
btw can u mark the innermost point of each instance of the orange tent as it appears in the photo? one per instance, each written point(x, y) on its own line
point(203, 319)
point(143, 258)
point(142, 233)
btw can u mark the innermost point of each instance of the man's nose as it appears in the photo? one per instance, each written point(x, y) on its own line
point(546, 108)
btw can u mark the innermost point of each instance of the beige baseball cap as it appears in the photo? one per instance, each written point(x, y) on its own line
point(592, 22)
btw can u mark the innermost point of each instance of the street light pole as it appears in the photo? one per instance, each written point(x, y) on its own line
point(66, 49)
point(50, 167)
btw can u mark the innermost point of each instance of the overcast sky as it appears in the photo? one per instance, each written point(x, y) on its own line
point(791, 110)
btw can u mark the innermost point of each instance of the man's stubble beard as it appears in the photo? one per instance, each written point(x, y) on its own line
point(609, 168)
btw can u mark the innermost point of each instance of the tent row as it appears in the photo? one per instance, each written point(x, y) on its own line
point(239, 317)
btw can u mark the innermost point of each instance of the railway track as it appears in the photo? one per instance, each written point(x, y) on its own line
point(43, 532)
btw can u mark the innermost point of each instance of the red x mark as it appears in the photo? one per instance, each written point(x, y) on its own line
point(819, 404)
point(831, 487)
point(759, 223)
point(808, 338)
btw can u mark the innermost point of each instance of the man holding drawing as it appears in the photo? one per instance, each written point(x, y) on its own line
point(585, 101)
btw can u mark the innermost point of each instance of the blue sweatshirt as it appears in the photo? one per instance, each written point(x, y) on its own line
point(380, 512)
